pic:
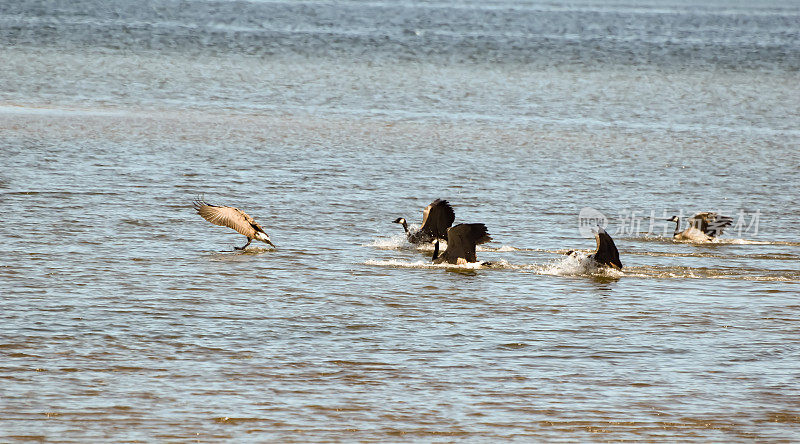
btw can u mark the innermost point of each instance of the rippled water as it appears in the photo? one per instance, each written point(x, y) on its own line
point(126, 317)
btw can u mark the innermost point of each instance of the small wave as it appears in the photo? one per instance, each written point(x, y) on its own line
point(12, 108)
point(138, 222)
point(235, 255)
point(396, 263)
point(254, 250)
point(718, 254)
point(580, 264)
point(501, 249)
point(749, 242)
point(710, 273)
point(715, 241)
point(720, 241)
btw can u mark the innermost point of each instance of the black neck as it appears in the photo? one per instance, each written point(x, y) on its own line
point(677, 225)
point(435, 250)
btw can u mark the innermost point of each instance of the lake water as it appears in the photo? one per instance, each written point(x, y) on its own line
point(124, 316)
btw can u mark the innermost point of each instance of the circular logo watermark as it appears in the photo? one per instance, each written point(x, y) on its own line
point(589, 219)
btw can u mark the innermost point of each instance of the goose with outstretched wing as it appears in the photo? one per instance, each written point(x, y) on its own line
point(436, 219)
point(462, 241)
point(232, 218)
point(703, 227)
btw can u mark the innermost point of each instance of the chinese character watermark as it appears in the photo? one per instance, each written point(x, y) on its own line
point(653, 223)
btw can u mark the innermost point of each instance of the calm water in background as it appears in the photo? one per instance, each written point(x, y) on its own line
point(126, 317)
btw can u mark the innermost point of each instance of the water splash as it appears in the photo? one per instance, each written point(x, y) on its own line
point(395, 242)
point(400, 241)
point(576, 264)
point(396, 263)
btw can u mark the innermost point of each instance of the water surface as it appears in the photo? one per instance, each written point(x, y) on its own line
point(126, 317)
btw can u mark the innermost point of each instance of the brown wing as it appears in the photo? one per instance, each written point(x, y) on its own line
point(462, 239)
point(607, 253)
point(228, 217)
point(709, 223)
point(437, 218)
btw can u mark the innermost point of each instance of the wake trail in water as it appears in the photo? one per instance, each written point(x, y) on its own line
point(578, 264)
point(396, 263)
point(715, 241)
point(581, 264)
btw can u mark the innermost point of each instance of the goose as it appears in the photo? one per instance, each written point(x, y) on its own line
point(232, 218)
point(461, 242)
point(606, 253)
point(703, 227)
point(436, 219)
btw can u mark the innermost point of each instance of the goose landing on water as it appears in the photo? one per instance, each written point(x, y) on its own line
point(703, 227)
point(461, 242)
point(232, 218)
point(436, 219)
point(607, 253)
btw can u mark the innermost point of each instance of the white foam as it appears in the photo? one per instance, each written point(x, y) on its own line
point(742, 242)
point(400, 241)
point(504, 248)
point(390, 243)
point(576, 264)
point(396, 263)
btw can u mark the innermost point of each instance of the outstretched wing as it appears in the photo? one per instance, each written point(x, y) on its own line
point(607, 253)
point(437, 218)
point(228, 217)
point(462, 239)
point(709, 223)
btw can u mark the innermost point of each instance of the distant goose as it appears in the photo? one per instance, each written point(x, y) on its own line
point(607, 253)
point(461, 242)
point(436, 219)
point(703, 227)
point(232, 218)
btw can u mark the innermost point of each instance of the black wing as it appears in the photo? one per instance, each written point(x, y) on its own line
point(607, 253)
point(711, 224)
point(462, 240)
point(437, 218)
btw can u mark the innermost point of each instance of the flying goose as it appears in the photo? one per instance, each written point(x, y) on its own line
point(436, 218)
point(461, 242)
point(232, 218)
point(703, 227)
point(607, 253)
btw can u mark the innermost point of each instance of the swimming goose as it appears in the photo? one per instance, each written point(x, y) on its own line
point(461, 242)
point(436, 218)
point(606, 253)
point(703, 227)
point(232, 218)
